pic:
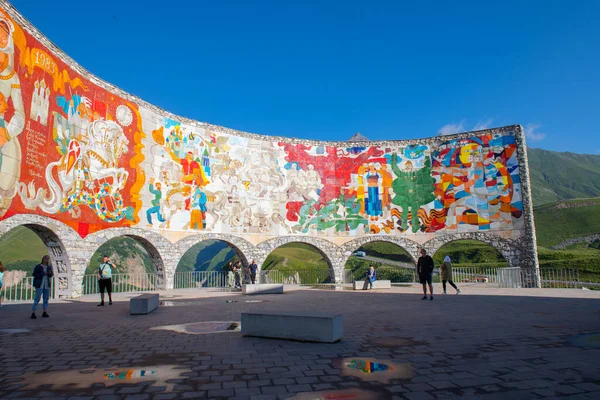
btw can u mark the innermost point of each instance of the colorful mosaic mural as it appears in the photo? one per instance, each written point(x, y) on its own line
point(205, 180)
point(88, 157)
point(67, 146)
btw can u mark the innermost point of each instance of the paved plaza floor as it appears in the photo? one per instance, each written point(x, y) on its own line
point(486, 343)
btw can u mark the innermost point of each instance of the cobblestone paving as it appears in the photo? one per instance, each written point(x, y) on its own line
point(486, 343)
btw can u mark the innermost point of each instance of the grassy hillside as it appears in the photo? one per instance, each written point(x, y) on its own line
point(127, 255)
point(561, 176)
point(569, 219)
point(21, 249)
point(209, 255)
point(295, 256)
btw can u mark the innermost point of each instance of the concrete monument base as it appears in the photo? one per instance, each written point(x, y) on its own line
point(263, 288)
point(143, 304)
point(309, 327)
point(358, 285)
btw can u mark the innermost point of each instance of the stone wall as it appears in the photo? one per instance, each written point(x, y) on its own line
point(106, 164)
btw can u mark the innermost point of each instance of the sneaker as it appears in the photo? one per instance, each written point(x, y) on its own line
point(33, 316)
point(457, 291)
point(101, 305)
point(45, 315)
point(431, 298)
point(424, 298)
point(110, 303)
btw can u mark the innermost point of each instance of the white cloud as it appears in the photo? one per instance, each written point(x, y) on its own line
point(481, 125)
point(532, 133)
point(452, 128)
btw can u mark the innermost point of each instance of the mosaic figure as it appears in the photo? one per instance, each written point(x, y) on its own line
point(412, 189)
point(11, 128)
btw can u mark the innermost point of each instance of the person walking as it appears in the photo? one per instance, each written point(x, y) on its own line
point(425, 268)
point(446, 274)
point(42, 282)
point(1, 276)
point(252, 269)
point(371, 277)
point(105, 280)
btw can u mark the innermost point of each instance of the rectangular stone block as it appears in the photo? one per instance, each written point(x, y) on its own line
point(358, 285)
point(143, 304)
point(309, 327)
point(263, 288)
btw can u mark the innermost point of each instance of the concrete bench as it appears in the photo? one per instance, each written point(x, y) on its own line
point(358, 285)
point(143, 304)
point(309, 327)
point(263, 288)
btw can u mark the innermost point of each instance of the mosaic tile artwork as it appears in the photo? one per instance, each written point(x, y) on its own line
point(75, 151)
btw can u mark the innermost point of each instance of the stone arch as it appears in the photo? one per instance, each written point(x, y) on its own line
point(161, 251)
point(411, 247)
point(60, 240)
point(328, 250)
point(243, 248)
point(507, 247)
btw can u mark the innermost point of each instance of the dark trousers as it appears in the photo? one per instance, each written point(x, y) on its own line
point(237, 279)
point(105, 285)
point(253, 278)
point(451, 284)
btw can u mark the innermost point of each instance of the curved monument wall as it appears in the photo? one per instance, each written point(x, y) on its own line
point(83, 152)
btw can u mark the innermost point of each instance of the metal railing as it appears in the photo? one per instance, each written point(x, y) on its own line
point(197, 279)
point(306, 277)
point(16, 286)
point(398, 275)
point(140, 282)
point(19, 287)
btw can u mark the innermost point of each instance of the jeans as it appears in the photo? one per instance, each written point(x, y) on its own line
point(154, 210)
point(38, 294)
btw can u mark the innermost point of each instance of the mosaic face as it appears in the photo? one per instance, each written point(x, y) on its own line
point(78, 153)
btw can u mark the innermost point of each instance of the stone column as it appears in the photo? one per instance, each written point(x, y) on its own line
point(528, 259)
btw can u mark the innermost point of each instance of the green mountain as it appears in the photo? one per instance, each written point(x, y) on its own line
point(562, 176)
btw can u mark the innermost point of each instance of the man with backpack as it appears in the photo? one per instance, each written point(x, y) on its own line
point(105, 280)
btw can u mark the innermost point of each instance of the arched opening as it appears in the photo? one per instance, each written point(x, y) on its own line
point(472, 260)
point(208, 263)
point(391, 261)
point(297, 263)
point(138, 265)
point(21, 249)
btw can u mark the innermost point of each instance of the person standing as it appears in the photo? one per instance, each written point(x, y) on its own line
point(252, 269)
point(236, 275)
point(425, 268)
point(371, 277)
point(446, 274)
point(105, 280)
point(1, 276)
point(42, 282)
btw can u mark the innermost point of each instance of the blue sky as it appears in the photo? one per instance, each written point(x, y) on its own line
point(328, 69)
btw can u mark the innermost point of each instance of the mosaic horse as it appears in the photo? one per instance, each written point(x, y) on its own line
point(88, 174)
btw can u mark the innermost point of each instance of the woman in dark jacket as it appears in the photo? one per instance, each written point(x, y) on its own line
point(42, 282)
